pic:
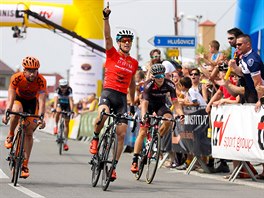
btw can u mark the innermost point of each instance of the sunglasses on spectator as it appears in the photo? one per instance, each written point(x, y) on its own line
point(239, 44)
point(194, 74)
point(230, 38)
point(155, 57)
point(126, 40)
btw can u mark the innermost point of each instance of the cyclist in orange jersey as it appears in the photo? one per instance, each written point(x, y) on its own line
point(120, 69)
point(26, 93)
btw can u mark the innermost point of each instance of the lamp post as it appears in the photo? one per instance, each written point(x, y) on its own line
point(136, 39)
point(196, 20)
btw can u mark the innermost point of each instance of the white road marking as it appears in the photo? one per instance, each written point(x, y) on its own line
point(3, 175)
point(26, 191)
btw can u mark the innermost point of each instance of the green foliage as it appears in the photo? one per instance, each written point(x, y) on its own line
point(200, 49)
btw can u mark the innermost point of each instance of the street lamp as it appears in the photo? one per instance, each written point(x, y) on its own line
point(137, 40)
point(196, 20)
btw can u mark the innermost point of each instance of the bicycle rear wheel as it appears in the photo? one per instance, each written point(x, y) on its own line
point(141, 163)
point(96, 162)
point(153, 158)
point(109, 157)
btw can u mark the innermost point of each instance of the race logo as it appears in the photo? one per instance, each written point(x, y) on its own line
point(261, 133)
point(218, 130)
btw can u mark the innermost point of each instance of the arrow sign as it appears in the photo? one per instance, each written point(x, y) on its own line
point(173, 41)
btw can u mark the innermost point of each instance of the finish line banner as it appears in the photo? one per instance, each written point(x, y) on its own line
point(194, 135)
point(238, 133)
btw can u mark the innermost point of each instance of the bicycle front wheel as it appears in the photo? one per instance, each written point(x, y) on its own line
point(96, 162)
point(13, 155)
point(109, 157)
point(60, 137)
point(153, 158)
point(19, 156)
point(141, 163)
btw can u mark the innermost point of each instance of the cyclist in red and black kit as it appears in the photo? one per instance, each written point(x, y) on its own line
point(120, 69)
point(154, 100)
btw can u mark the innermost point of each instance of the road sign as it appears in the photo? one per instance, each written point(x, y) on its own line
point(173, 52)
point(173, 41)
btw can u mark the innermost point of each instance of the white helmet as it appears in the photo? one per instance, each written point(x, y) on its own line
point(63, 82)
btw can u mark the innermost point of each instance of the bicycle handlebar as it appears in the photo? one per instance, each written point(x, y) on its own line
point(159, 118)
point(22, 114)
point(118, 116)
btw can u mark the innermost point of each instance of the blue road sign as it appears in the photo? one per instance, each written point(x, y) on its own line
point(173, 41)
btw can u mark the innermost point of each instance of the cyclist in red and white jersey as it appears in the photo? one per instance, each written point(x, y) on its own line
point(120, 69)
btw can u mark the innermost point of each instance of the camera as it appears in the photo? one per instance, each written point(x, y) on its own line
point(223, 67)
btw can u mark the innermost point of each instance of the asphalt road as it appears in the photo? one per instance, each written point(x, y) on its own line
point(69, 176)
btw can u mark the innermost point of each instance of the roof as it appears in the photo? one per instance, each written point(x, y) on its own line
point(207, 23)
point(4, 69)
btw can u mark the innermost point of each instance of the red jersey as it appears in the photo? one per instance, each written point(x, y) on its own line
point(119, 70)
point(26, 89)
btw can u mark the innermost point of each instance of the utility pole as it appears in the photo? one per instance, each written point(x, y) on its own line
point(175, 18)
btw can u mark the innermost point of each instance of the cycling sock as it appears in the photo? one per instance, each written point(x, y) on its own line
point(96, 135)
point(11, 133)
point(135, 158)
point(115, 164)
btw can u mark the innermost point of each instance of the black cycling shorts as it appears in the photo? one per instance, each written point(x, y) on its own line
point(115, 100)
point(29, 106)
point(159, 108)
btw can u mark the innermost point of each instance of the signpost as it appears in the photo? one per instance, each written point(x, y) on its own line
point(173, 41)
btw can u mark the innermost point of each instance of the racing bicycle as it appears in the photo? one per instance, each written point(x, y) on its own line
point(151, 151)
point(16, 155)
point(60, 136)
point(105, 158)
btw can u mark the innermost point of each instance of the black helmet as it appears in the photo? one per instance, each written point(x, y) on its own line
point(124, 33)
point(157, 69)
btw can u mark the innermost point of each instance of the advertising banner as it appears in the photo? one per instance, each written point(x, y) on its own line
point(238, 133)
point(194, 133)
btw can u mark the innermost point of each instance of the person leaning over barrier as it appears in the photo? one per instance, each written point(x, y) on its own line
point(120, 69)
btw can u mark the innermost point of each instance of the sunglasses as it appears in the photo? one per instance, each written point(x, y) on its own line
point(159, 76)
point(126, 40)
point(155, 57)
point(31, 70)
point(230, 38)
point(239, 44)
point(194, 74)
point(63, 87)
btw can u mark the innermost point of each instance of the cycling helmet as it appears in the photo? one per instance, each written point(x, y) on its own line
point(124, 33)
point(30, 63)
point(63, 82)
point(157, 69)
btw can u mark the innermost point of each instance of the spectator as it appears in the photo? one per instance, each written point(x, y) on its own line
point(155, 57)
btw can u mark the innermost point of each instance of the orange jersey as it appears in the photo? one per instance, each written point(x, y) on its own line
point(119, 70)
point(25, 89)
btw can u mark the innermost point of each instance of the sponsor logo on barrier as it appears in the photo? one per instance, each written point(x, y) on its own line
point(261, 133)
point(219, 130)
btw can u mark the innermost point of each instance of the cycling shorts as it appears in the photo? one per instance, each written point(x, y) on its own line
point(115, 100)
point(29, 106)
